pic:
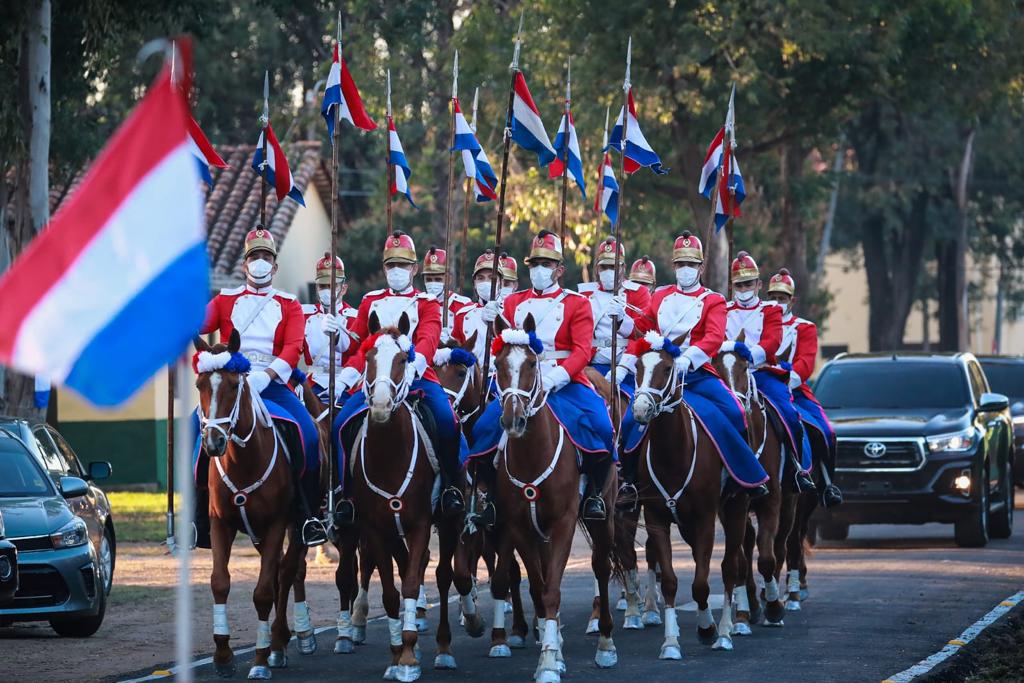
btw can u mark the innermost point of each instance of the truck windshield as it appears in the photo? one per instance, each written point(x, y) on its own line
point(892, 384)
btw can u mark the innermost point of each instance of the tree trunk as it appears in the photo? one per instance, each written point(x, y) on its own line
point(946, 293)
point(792, 246)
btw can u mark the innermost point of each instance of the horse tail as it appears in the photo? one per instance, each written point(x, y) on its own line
point(620, 539)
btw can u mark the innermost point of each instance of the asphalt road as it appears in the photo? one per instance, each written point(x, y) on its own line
point(879, 602)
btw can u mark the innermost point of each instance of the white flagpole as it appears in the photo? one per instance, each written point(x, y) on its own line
point(183, 532)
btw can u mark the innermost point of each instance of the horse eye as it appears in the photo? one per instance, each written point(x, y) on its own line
point(533, 363)
point(462, 374)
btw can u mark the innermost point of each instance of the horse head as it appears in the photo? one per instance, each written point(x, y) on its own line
point(458, 372)
point(220, 379)
point(658, 383)
point(735, 372)
point(389, 356)
point(517, 354)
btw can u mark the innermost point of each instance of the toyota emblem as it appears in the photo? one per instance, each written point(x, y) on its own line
point(874, 450)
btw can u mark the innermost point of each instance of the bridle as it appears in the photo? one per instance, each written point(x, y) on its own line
point(665, 399)
point(260, 416)
point(751, 397)
point(456, 396)
point(399, 390)
point(533, 400)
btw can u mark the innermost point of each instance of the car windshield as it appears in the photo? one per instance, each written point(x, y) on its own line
point(20, 475)
point(1006, 378)
point(891, 384)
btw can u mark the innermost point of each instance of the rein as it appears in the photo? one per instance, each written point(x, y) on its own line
point(457, 396)
point(751, 398)
point(664, 398)
point(671, 501)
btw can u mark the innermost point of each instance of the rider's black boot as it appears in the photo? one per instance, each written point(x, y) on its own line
point(452, 501)
point(804, 483)
point(733, 487)
point(201, 521)
point(628, 496)
point(596, 468)
point(307, 494)
point(486, 513)
point(831, 496)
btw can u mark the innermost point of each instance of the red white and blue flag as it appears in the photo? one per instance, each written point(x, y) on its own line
point(117, 285)
point(607, 200)
point(712, 162)
point(278, 173)
point(527, 127)
point(731, 191)
point(575, 162)
point(638, 151)
point(402, 172)
point(474, 159)
point(341, 91)
point(485, 181)
point(206, 156)
point(720, 178)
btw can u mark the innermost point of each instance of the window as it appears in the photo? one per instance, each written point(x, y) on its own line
point(1006, 378)
point(74, 467)
point(51, 458)
point(19, 473)
point(978, 384)
point(893, 384)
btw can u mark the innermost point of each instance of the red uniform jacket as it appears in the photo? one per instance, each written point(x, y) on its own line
point(697, 317)
point(761, 325)
point(424, 314)
point(565, 325)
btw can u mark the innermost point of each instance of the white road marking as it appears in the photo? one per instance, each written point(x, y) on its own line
point(954, 646)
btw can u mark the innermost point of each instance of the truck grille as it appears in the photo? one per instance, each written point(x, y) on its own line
point(40, 586)
point(878, 455)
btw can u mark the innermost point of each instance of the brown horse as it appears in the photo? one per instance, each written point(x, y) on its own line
point(251, 490)
point(679, 481)
point(538, 492)
point(774, 512)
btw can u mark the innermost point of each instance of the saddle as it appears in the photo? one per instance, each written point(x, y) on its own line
point(351, 430)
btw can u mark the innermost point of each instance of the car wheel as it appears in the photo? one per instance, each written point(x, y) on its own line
point(972, 530)
point(1001, 524)
point(108, 556)
point(833, 531)
point(81, 627)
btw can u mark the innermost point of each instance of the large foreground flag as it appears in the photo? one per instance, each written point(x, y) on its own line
point(278, 173)
point(527, 128)
point(638, 151)
point(573, 152)
point(340, 90)
point(402, 172)
point(607, 199)
point(206, 156)
point(116, 286)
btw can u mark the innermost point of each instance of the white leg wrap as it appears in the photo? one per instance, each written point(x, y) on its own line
point(771, 590)
point(395, 628)
point(671, 623)
point(421, 601)
point(345, 624)
point(550, 640)
point(794, 580)
point(409, 614)
point(262, 635)
point(704, 618)
point(302, 622)
point(652, 588)
point(220, 620)
point(468, 604)
point(597, 588)
point(739, 597)
point(499, 614)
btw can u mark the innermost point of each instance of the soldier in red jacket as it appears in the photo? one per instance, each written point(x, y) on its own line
point(320, 325)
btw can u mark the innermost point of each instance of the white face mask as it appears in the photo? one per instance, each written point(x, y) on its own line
point(505, 291)
point(325, 297)
point(434, 289)
point(398, 278)
point(483, 290)
point(607, 278)
point(541, 277)
point(260, 271)
point(687, 276)
point(745, 297)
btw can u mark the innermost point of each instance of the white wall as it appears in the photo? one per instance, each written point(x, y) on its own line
point(305, 244)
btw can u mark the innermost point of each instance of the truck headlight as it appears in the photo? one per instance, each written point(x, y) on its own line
point(958, 442)
point(71, 535)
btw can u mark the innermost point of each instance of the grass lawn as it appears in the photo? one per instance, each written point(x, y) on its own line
point(139, 516)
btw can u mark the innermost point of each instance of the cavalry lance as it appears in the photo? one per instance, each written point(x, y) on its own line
point(451, 191)
point(616, 232)
point(333, 339)
point(389, 169)
point(565, 149)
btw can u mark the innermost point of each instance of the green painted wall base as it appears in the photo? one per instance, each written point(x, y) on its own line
point(137, 449)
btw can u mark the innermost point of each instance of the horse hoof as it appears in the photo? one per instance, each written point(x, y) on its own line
point(445, 661)
point(775, 624)
point(391, 673)
point(621, 605)
point(707, 636)
point(259, 673)
point(773, 613)
point(606, 659)
point(651, 618)
point(225, 670)
point(344, 646)
point(548, 676)
point(277, 659)
point(804, 594)
point(359, 634)
point(792, 605)
point(508, 607)
point(592, 626)
point(741, 629)
point(632, 622)
point(474, 626)
point(670, 652)
point(408, 672)
point(561, 666)
point(421, 625)
point(500, 651)
point(517, 642)
point(306, 644)
point(723, 643)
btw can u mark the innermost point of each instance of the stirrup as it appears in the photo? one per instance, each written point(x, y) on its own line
point(486, 516)
point(804, 483)
point(313, 533)
point(628, 496)
point(831, 496)
point(594, 509)
point(452, 502)
point(344, 513)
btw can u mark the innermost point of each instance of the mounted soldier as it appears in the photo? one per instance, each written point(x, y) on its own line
point(469, 318)
point(797, 355)
point(644, 273)
point(753, 330)
point(696, 317)
point(320, 325)
point(435, 272)
point(424, 315)
point(271, 327)
point(565, 328)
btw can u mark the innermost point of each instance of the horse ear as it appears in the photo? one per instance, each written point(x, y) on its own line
point(373, 324)
point(529, 325)
point(403, 324)
point(200, 344)
point(679, 340)
point(500, 325)
point(741, 336)
point(235, 342)
point(470, 343)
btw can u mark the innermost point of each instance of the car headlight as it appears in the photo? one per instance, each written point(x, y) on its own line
point(71, 535)
point(958, 442)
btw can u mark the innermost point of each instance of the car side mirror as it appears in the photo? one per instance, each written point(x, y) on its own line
point(993, 403)
point(72, 487)
point(100, 470)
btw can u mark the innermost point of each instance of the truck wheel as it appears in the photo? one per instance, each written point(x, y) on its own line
point(1001, 524)
point(972, 530)
point(833, 531)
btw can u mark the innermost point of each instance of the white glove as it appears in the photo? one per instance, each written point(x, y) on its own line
point(331, 324)
point(555, 378)
point(347, 379)
point(620, 374)
point(795, 380)
point(258, 381)
point(410, 373)
point(446, 335)
point(490, 312)
point(727, 347)
point(682, 363)
point(617, 307)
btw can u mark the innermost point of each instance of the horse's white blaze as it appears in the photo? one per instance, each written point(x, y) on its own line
point(728, 361)
point(515, 359)
point(387, 349)
point(220, 620)
point(643, 403)
point(215, 380)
